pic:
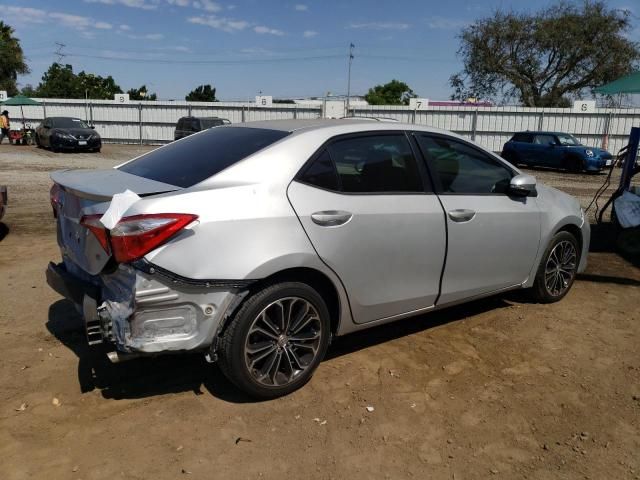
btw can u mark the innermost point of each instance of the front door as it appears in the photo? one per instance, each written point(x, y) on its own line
point(493, 238)
point(363, 204)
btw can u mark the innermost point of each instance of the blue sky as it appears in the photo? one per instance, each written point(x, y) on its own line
point(243, 47)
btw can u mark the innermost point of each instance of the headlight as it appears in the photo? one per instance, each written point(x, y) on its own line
point(64, 135)
point(589, 152)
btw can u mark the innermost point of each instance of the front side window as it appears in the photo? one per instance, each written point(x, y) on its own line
point(566, 139)
point(374, 164)
point(462, 169)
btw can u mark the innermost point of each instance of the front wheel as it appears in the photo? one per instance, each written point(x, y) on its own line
point(276, 340)
point(557, 270)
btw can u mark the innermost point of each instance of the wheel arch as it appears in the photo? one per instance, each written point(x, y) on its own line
point(316, 279)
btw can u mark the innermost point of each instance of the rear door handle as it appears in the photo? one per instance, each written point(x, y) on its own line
point(331, 218)
point(461, 215)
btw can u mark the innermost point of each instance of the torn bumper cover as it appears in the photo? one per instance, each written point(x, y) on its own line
point(145, 309)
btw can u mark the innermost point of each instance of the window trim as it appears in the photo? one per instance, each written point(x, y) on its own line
point(436, 178)
point(427, 184)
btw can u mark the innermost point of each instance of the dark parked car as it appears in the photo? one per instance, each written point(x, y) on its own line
point(67, 133)
point(190, 125)
point(3, 200)
point(554, 149)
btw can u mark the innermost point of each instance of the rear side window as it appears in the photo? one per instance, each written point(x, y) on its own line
point(201, 156)
point(545, 140)
point(210, 122)
point(462, 169)
point(522, 137)
point(321, 173)
point(374, 164)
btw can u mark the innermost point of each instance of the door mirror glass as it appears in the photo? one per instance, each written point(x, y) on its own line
point(523, 186)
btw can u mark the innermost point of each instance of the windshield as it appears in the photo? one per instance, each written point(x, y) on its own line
point(68, 123)
point(566, 139)
point(210, 122)
point(198, 157)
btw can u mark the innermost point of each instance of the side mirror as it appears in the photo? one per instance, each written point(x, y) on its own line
point(92, 127)
point(523, 186)
point(552, 144)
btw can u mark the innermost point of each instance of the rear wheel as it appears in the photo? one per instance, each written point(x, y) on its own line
point(557, 270)
point(276, 340)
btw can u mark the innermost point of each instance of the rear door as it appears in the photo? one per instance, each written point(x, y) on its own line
point(493, 238)
point(363, 202)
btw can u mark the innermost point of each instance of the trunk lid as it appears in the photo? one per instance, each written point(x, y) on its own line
point(85, 192)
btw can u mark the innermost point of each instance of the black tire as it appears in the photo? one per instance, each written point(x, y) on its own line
point(541, 292)
point(234, 353)
point(38, 141)
point(574, 164)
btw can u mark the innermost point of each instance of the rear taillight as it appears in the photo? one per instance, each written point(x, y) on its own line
point(133, 237)
point(55, 195)
point(92, 222)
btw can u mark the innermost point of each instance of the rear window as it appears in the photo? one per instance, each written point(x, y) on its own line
point(198, 157)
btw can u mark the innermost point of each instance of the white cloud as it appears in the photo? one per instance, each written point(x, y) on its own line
point(179, 3)
point(103, 25)
point(143, 4)
point(443, 23)
point(124, 27)
point(380, 26)
point(208, 5)
point(262, 30)
point(148, 36)
point(301, 7)
point(22, 15)
point(220, 23)
point(309, 33)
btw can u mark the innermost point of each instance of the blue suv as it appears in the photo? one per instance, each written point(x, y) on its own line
point(554, 149)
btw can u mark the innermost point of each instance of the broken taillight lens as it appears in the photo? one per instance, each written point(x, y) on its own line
point(133, 237)
point(92, 222)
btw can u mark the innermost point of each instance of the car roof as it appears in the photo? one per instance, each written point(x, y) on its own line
point(352, 125)
point(543, 132)
point(58, 118)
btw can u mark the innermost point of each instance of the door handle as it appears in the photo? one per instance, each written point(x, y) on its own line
point(331, 218)
point(461, 215)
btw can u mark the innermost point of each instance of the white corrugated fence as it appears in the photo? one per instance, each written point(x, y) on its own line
point(154, 122)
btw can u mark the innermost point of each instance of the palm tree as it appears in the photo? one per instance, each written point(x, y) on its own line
point(12, 61)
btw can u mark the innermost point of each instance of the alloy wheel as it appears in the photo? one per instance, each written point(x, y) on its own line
point(560, 268)
point(283, 341)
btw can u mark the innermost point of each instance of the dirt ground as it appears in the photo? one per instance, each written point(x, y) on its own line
point(498, 388)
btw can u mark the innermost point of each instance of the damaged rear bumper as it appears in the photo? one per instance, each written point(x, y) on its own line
point(147, 310)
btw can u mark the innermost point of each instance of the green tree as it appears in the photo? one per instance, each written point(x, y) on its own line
point(95, 86)
point(546, 58)
point(59, 81)
point(393, 93)
point(12, 61)
point(203, 93)
point(141, 93)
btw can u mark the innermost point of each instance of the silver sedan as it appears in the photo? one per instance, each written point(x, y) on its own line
point(257, 243)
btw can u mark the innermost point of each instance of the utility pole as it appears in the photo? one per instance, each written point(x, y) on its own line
point(351, 47)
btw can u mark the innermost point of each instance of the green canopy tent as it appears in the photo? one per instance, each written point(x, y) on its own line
point(627, 84)
point(21, 101)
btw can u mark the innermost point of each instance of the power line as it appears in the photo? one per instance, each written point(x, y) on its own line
point(206, 62)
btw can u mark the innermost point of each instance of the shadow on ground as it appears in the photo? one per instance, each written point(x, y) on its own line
point(146, 377)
